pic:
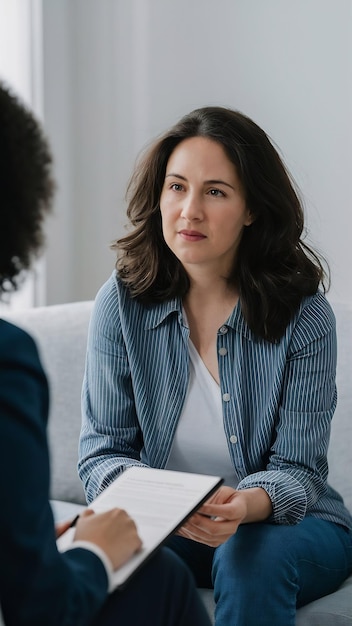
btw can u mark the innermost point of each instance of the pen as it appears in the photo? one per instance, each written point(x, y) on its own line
point(74, 522)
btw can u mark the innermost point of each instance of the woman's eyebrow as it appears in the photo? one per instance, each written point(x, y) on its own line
point(174, 175)
point(218, 182)
point(206, 182)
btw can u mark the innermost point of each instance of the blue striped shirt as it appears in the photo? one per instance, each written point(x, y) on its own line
point(278, 399)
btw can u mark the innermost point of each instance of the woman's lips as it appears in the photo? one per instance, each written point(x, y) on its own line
point(191, 235)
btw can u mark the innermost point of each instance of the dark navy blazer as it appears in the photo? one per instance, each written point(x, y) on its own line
point(38, 585)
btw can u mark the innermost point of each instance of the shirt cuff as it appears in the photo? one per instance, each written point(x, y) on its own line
point(92, 547)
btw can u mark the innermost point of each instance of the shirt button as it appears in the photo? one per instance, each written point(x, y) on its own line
point(226, 397)
point(223, 330)
point(223, 351)
point(233, 439)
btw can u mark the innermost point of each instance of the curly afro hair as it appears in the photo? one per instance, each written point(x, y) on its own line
point(26, 188)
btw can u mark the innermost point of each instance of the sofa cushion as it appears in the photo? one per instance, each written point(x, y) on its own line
point(332, 610)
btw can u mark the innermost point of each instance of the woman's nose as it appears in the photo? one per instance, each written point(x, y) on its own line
point(192, 208)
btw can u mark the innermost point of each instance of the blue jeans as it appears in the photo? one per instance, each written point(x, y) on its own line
point(264, 572)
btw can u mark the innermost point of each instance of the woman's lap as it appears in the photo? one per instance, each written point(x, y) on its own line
point(270, 568)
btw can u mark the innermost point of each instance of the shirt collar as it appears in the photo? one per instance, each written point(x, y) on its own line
point(158, 313)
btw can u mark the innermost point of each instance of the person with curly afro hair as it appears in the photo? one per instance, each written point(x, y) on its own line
point(26, 188)
point(38, 584)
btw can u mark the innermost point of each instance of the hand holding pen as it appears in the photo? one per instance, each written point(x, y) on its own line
point(113, 531)
point(61, 527)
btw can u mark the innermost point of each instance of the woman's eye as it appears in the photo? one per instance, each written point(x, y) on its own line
point(216, 193)
point(176, 187)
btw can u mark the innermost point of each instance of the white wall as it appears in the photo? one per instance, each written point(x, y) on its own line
point(118, 72)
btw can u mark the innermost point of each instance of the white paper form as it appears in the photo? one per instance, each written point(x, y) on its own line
point(158, 501)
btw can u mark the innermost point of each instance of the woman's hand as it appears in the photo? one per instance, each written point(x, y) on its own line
point(219, 518)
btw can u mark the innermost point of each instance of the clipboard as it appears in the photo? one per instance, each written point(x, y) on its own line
point(158, 500)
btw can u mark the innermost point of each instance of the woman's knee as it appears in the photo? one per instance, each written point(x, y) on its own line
point(256, 543)
point(280, 556)
point(256, 554)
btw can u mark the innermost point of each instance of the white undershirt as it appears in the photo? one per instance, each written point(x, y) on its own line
point(200, 444)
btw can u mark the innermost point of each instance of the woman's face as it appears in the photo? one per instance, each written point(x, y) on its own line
point(202, 206)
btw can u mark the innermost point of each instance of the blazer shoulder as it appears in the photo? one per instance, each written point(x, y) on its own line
point(18, 349)
point(13, 337)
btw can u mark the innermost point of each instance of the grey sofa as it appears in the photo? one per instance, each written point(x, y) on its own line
point(61, 331)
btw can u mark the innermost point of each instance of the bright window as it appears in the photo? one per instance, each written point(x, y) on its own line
point(21, 69)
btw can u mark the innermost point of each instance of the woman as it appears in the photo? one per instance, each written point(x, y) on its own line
point(38, 585)
point(212, 349)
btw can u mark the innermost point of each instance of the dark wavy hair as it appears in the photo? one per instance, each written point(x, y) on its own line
point(274, 268)
point(26, 188)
